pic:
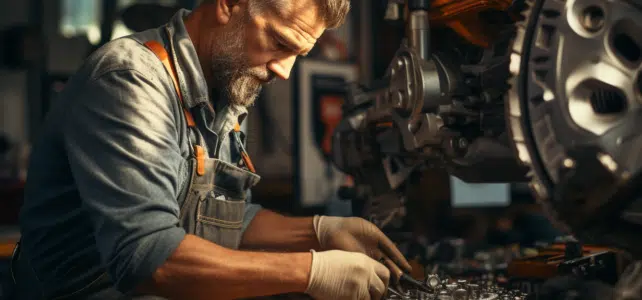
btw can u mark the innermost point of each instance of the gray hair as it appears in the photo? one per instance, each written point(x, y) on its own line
point(333, 12)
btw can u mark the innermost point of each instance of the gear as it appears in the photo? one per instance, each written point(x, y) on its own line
point(569, 111)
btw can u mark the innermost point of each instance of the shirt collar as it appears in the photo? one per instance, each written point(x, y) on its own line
point(190, 73)
point(188, 67)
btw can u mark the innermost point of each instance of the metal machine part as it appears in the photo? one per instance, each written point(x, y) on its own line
point(570, 111)
point(461, 289)
point(574, 114)
point(439, 105)
point(571, 106)
point(465, 17)
point(447, 110)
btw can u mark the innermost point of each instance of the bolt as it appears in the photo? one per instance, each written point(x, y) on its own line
point(462, 143)
point(593, 18)
point(432, 281)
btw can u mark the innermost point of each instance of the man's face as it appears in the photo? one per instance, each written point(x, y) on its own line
point(254, 49)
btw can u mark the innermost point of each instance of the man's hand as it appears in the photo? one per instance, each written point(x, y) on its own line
point(341, 275)
point(358, 235)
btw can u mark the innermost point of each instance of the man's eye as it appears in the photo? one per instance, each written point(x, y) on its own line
point(278, 45)
point(282, 47)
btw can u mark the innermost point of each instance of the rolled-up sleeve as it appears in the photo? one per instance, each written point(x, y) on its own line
point(120, 137)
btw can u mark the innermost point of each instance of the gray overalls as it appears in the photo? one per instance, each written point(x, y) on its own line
point(212, 207)
point(214, 202)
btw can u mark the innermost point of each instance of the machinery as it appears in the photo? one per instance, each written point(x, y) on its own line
point(441, 104)
point(436, 288)
point(545, 91)
point(541, 91)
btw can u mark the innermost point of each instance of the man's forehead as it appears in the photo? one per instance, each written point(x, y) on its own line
point(303, 15)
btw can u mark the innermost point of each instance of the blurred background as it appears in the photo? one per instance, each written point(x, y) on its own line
point(43, 42)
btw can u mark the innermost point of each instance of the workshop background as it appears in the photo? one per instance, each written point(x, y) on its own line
point(45, 41)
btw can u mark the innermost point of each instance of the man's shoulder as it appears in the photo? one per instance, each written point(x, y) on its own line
point(125, 54)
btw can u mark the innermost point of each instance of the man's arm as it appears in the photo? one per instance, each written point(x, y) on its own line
point(270, 231)
point(199, 269)
point(120, 141)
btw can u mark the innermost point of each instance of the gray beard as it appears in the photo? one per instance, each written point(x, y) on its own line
point(231, 73)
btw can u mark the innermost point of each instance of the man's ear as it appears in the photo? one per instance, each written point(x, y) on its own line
point(226, 8)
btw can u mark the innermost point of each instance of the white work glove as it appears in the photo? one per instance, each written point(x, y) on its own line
point(341, 275)
point(358, 235)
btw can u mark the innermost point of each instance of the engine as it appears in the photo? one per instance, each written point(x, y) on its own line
point(544, 91)
point(441, 104)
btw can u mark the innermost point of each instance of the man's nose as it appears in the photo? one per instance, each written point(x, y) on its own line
point(282, 67)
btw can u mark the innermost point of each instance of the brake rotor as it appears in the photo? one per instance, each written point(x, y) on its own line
point(574, 112)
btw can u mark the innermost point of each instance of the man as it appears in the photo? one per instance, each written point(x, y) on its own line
point(138, 185)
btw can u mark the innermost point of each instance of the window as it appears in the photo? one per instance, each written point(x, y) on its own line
point(120, 29)
point(83, 17)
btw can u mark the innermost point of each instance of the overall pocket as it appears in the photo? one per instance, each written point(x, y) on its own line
point(220, 218)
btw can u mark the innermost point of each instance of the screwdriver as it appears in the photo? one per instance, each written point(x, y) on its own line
point(414, 282)
point(394, 292)
point(403, 277)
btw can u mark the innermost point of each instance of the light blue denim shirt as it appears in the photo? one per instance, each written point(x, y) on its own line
point(105, 175)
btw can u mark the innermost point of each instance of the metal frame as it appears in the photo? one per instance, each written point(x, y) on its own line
point(309, 179)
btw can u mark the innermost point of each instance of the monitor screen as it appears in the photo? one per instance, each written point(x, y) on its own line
point(479, 194)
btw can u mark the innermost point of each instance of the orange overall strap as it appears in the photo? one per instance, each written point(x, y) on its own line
point(163, 56)
point(244, 154)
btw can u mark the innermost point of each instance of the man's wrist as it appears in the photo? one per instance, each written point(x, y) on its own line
point(316, 225)
point(274, 232)
point(313, 236)
point(302, 271)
